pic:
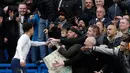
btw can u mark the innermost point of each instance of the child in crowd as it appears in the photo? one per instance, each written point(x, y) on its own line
point(63, 33)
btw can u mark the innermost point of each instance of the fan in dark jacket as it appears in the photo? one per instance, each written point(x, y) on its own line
point(71, 8)
point(2, 37)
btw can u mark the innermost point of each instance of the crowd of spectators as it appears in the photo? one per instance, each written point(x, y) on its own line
point(79, 28)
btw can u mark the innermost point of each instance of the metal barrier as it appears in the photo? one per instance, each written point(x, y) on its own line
point(31, 68)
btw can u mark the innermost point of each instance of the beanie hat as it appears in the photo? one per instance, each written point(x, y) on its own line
point(62, 13)
point(76, 31)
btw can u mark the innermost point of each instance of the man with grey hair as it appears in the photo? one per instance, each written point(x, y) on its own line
point(120, 56)
point(124, 25)
point(100, 16)
point(90, 41)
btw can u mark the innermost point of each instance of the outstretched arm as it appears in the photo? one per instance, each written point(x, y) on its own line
point(36, 43)
point(106, 50)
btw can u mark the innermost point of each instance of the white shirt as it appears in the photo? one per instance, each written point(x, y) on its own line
point(23, 46)
point(21, 25)
point(101, 20)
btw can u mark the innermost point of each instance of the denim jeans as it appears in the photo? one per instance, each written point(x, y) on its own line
point(16, 68)
point(42, 36)
point(35, 54)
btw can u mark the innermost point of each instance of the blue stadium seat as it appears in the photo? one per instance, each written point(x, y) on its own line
point(10, 71)
point(31, 68)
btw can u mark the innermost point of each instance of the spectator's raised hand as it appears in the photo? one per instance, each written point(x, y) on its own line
point(51, 25)
point(98, 71)
point(31, 17)
point(45, 31)
point(11, 13)
point(59, 26)
point(5, 40)
point(76, 20)
point(6, 9)
point(18, 19)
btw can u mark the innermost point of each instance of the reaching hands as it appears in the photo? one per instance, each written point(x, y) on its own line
point(52, 42)
point(47, 42)
point(53, 39)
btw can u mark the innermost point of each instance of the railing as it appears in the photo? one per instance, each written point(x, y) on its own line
point(31, 68)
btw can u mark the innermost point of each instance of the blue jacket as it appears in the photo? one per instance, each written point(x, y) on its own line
point(35, 21)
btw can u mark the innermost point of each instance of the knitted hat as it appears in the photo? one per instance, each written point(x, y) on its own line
point(76, 31)
point(62, 13)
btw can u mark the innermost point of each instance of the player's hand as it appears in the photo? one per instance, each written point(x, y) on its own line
point(6, 9)
point(22, 64)
point(47, 42)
